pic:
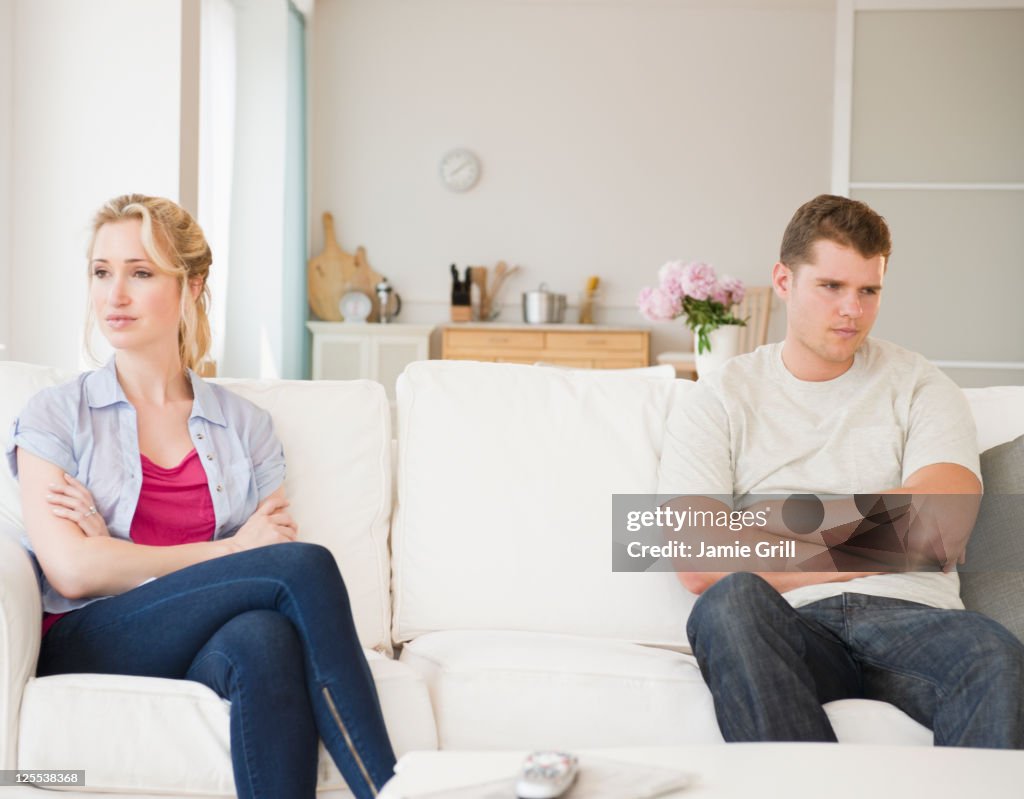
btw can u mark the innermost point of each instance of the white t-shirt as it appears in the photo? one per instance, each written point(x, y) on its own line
point(751, 427)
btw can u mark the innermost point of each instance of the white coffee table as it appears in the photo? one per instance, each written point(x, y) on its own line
point(761, 771)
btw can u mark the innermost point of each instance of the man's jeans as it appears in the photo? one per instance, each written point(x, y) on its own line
point(771, 667)
point(269, 629)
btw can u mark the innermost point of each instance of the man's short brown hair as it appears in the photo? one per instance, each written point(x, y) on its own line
point(849, 223)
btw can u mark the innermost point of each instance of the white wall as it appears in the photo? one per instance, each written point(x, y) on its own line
point(614, 136)
point(253, 345)
point(95, 114)
point(6, 132)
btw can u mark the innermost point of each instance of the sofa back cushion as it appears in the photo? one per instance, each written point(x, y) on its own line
point(505, 479)
point(18, 382)
point(998, 413)
point(992, 580)
point(337, 443)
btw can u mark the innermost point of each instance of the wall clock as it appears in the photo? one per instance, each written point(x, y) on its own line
point(460, 169)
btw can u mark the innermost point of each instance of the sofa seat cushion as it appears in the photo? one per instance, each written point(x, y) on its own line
point(866, 721)
point(516, 690)
point(519, 690)
point(144, 734)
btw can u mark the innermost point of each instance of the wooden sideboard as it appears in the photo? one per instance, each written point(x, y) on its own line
point(585, 346)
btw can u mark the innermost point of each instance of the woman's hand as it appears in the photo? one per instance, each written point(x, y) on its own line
point(72, 500)
point(270, 524)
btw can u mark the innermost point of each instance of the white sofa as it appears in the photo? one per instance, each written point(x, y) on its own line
point(489, 576)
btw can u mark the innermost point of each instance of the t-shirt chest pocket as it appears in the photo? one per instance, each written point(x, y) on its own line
point(875, 454)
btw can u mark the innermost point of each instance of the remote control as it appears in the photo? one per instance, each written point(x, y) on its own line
point(546, 775)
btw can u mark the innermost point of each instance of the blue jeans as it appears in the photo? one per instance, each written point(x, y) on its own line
point(269, 629)
point(770, 667)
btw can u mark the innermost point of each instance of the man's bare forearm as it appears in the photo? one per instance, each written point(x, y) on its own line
point(806, 539)
point(832, 521)
point(932, 529)
point(840, 519)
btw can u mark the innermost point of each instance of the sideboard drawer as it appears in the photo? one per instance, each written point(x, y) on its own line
point(585, 347)
point(494, 340)
point(597, 342)
point(635, 362)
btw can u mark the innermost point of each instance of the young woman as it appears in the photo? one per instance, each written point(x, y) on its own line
point(155, 507)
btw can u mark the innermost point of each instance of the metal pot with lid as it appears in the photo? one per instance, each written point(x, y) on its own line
point(543, 307)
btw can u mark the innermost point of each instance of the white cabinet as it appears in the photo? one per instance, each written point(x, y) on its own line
point(351, 350)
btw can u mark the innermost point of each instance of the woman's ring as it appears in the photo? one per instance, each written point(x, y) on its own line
point(92, 510)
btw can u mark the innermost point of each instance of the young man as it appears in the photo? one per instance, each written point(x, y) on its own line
point(829, 411)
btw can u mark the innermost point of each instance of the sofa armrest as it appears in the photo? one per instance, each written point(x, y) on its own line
point(20, 630)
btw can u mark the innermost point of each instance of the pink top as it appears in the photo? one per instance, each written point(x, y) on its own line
point(174, 507)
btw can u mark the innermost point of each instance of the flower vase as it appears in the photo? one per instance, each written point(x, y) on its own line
point(725, 343)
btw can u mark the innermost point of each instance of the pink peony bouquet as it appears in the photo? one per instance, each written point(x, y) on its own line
point(693, 290)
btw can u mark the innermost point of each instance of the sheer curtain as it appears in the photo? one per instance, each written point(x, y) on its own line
point(217, 151)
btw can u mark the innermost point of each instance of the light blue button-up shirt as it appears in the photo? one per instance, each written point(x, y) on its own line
point(88, 428)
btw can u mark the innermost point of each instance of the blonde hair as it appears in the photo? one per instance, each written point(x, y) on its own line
point(175, 244)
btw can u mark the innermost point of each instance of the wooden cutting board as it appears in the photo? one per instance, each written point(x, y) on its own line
point(334, 272)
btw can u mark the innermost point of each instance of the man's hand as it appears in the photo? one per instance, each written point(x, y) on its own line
point(71, 500)
point(946, 502)
point(940, 529)
point(270, 524)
